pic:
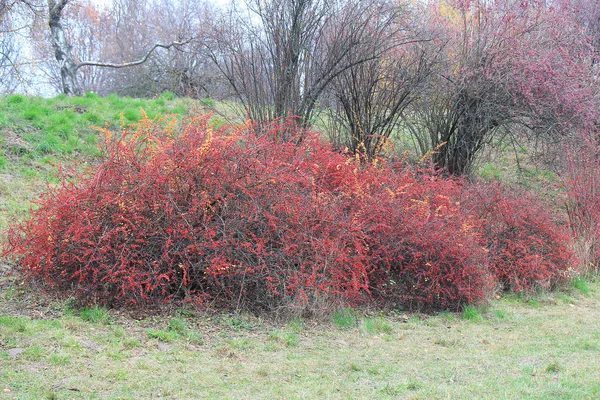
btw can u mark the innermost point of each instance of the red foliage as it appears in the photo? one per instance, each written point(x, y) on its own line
point(250, 221)
point(229, 214)
point(426, 250)
point(581, 181)
point(528, 247)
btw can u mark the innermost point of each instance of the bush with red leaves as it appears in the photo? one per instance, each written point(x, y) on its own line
point(581, 183)
point(250, 221)
point(426, 249)
point(528, 247)
point(228, 215)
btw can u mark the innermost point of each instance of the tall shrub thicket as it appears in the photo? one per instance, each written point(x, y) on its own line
point(529, 246)
point(246, 220)
point(581, 181)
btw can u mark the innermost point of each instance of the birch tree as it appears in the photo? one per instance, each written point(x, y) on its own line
point(64, 54)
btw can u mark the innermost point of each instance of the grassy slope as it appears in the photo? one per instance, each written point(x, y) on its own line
point(37, 135)
point(546, 348)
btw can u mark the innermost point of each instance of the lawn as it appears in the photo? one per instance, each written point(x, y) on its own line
point(543, 347)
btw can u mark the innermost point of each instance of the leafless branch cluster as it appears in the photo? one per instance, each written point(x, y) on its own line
point(450, 76)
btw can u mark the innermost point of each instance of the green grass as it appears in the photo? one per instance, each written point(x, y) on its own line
point(515, 350)
point(176, 329)
point(96, 315)
point(344, 318)
point(37, 135)
point(63, 124)
point(377, 325)
point(472, 313)
point(289, 339)
point(581, 284)
point(162, 335)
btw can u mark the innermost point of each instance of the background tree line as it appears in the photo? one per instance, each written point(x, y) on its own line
point(454, 74)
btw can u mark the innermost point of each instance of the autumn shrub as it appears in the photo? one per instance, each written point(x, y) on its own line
point(427, 250)
point(581, 182)
point(224, 215)
point(247, 220)
point(420, 247)
point(528, 244)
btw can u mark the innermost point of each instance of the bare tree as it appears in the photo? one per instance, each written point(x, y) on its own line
point(281, 57)
point(186, 72)
point(514, 68)
point(9, 55)
point(63, 50)
point(15, 16)
point(368, 99)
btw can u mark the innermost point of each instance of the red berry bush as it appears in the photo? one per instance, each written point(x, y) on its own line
point(529, 248)
point(243, 219)
point(427, 249)
point(249, 220)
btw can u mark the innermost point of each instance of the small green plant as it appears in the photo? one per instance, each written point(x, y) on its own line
point(490, 172)
point(118, 332)
point(69, 306)
point(471, 313)
point(16, 99)
point(168, 96)
point(587, 345)
point(553, 367)
point(162, 335)
point(95, 314)
point(581, 285)
point(194, 337)
point(376, 325)
point(177, 325)
point(344, 318)
point(236, 323)
point(131, 343)
point(500, 314)
point(534, 302)
point(289, 339)
point(92, 117)
point(132, 115)
point(187, 313)
point(34, 353)
point(390, 390)
point(296, 325)
point(209, 102)
point(373, 370)
point(14, 324)
point(37, 113)
point(177, 328)
point(60, 359)
point(414, 385)
point(29, 173)
point(241, 343)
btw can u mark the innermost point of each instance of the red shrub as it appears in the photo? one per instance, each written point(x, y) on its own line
point(231, 215)
point(581, 181)
point(427, 250)
point(247, 220)
point(529, 249)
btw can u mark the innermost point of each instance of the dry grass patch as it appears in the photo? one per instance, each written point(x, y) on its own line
point(547, 349)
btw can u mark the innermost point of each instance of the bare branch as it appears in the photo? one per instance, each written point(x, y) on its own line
point(134, 63)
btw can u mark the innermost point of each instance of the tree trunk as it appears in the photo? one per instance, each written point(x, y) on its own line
point(62, 49)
